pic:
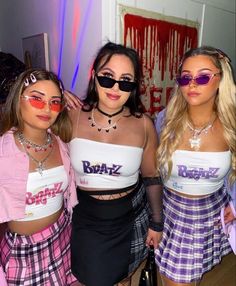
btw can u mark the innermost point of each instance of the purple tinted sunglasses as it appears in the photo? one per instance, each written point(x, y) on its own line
point(199, 79)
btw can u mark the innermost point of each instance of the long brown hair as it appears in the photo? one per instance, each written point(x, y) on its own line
point(12, 116)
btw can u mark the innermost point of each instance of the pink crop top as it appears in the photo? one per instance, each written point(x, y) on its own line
point(101, 165)
point(198, 173)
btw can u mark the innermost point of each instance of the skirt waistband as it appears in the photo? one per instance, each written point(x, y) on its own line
point(111, 191)
point(194, 200)
point(115, 211)
point(43, 234)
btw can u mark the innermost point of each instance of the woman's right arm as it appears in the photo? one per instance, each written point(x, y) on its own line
point(153, 185)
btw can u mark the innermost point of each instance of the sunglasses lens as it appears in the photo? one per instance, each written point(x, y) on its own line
point(109, 83)
point(183, 80)
point(105, 81)
point(127, 86)
point(202, 79)
point(36, 103)
point(56, 105)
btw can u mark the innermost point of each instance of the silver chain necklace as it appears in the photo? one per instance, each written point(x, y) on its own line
point(40, 164)
point(195, 140)
point(36, 147)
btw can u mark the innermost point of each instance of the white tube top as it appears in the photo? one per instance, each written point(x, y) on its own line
point(104, 166)
point(44, 195)
point(198, 173)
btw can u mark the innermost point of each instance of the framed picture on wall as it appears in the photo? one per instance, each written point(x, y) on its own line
point(160, 41)
point(35, 51)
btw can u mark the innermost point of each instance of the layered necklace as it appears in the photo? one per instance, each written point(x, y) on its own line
point(111, 125)
point(27, 144)
point(36, 147)
point(195, 140)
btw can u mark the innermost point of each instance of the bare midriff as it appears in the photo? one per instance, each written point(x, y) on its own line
point(112, 197)
point(108, 197)
point(187, 195)
point(33, 226)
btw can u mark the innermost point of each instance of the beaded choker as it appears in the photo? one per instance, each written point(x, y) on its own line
point(110, 115)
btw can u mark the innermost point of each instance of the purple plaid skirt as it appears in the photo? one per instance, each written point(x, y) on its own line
point(39, 259)
point(193, 240)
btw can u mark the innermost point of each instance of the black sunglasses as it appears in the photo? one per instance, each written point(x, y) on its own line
point(199, 80)
point(108, 82)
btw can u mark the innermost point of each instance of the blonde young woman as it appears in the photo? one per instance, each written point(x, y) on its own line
point(197, 160)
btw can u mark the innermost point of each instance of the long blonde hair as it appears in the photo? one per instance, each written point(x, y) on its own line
point(176, 112)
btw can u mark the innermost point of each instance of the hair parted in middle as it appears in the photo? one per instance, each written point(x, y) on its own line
point(12, 116)
point(103, 57)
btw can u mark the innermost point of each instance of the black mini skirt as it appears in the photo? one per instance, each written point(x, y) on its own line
point(108, 237)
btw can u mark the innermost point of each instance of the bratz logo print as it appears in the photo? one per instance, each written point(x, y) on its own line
point(103, 168)
point(42, 196)
point(197, 173)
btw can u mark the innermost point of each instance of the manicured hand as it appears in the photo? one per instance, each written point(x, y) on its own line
point(228, 215)
point(153, 238)
point(72, 101)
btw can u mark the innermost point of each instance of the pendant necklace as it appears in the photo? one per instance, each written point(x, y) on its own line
point(195, 140)
point(36, 147)
point(41, 163)
point(108, 127)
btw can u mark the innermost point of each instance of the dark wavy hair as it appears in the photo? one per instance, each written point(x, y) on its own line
point(12, 116)
point(103, 57)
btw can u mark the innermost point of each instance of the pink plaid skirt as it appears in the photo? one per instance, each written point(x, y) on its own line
point(39, 259)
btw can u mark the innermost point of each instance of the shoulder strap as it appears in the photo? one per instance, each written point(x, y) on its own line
point(145, 130)
point(75, 122)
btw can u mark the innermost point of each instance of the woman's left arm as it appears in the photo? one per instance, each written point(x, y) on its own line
point(229, 213)
point(153, 184)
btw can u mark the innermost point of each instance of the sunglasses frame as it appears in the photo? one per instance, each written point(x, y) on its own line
point(130, 85)
point(194, 79)
point(28, 98)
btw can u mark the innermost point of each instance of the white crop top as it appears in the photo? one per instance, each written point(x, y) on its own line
point(104, 166)
point(198, 173)
point(44, 195)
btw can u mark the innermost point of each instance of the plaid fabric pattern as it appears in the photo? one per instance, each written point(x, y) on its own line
point(42, 259)
point(138, 251)
point(193, 240)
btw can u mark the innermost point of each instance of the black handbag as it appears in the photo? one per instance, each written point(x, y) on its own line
point(149, 272)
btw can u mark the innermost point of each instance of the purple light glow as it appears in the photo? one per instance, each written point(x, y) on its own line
point(62, 21)
point(80, 42)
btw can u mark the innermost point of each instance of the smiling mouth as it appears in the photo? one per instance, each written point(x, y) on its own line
point(112, 96)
